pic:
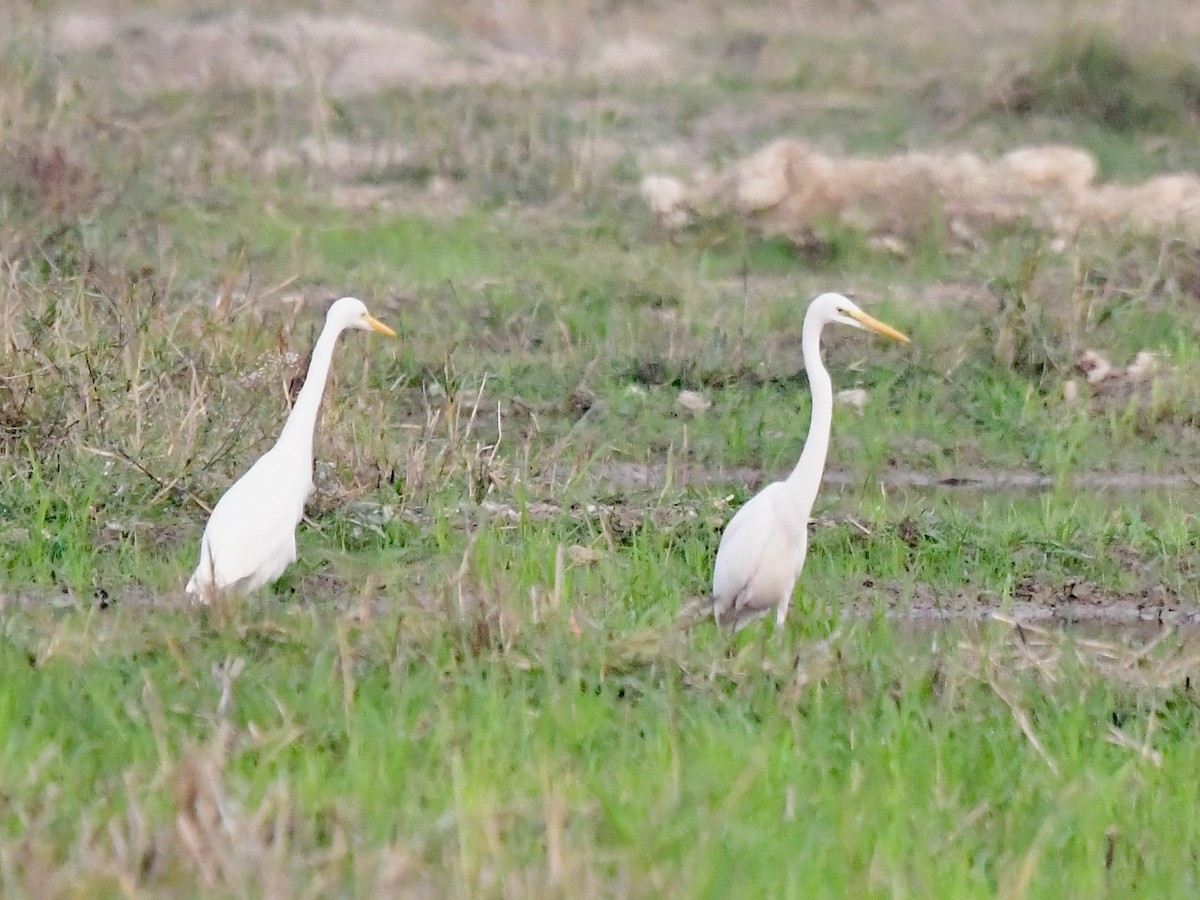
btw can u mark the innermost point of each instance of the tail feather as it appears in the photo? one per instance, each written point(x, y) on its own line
point(741, 609)
point(735, 617)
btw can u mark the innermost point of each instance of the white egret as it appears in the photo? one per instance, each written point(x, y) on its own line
point(763, 547)
point(250, 538)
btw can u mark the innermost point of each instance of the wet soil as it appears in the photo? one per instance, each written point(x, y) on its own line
point(1062, 603)
point(648, 476)
point(1040, 599)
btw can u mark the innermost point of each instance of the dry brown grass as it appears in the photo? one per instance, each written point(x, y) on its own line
point(790, 189)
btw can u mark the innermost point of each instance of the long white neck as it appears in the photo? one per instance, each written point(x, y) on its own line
point(297, 432)
point(806, 477)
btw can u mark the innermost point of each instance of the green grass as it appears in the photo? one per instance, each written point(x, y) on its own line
point(471, 682)
point(480, 756)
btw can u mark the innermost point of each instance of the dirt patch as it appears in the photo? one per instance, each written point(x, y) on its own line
point(103, 599)
point(1036, 599)
point(646, 476)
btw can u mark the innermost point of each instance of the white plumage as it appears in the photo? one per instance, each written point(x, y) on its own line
point(250, 539)
point(763, 547)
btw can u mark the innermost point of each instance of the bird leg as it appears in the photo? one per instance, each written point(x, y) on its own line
point(207, 592)
point(781, 612)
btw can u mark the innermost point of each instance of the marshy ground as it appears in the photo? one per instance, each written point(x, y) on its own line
point(471, 684)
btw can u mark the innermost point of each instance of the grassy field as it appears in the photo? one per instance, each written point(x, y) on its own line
point(471, 683)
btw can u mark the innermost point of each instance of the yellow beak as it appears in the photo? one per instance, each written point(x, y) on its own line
point(873, 324)
point(376, 325)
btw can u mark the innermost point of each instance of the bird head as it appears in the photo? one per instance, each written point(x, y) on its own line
point(350, 312)
point(836, 308)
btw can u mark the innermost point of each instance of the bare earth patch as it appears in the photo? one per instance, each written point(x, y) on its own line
point(1037, 599)
point(341, 56)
